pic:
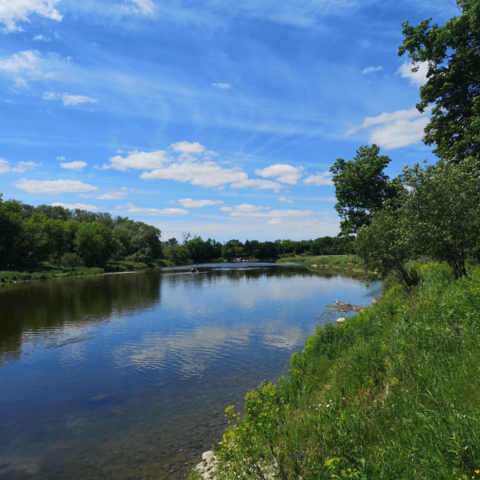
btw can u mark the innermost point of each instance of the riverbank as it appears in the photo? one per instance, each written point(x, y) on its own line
point(47, 272)
point(345, 262)
point(391, 393)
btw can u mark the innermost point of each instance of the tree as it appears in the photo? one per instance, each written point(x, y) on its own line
point(10, 231)
point(362, 187)
point(443, 210)
point(385, 245)
point(95, 244)
point(453, 86)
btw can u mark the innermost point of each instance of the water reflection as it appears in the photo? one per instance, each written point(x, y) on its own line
point(65, 307)
point(100, 379)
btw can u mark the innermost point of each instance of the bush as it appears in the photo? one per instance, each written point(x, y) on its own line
point(72, 260)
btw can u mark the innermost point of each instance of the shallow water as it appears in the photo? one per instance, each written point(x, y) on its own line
point(127, 376)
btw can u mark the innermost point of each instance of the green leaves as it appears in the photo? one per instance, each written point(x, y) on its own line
point(362, 187)
point(453, 86)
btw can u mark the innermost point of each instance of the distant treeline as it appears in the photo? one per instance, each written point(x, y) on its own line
point(197, 249)
point(31, 236)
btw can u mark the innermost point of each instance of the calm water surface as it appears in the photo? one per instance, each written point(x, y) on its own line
point(127, 376)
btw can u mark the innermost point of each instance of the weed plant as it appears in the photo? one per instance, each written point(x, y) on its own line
point(394, 393)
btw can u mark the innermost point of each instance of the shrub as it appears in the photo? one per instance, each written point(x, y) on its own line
point(71, 260)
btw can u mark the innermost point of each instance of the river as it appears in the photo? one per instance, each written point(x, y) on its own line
point(128, 376)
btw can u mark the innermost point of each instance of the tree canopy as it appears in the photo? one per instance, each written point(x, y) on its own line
point(452, 53)
point(362, 187)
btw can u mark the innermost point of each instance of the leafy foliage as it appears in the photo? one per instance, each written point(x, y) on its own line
point(362, 187)
point(453, 86)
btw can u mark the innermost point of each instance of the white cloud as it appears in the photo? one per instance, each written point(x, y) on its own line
point(285, 200)
point(417, 78)
point(275, 214)
point(205, 174)
point(368, 70)
point(31, 65)
point(138, 161)
point(68, 99)
point(222, 86)
point(187, 147)
point(114, 195)
point(40, 38)
point(282, 173)
point(399, 134)
point(245, 207)
point(226, 209)
point(396, 130)
point(152, 211)
point(75, 206)
point(61, 159)
point(74, 165)
point(324, 199)
point(144, 7)
point(319, 179)
point(385, 118)
point(54, 187)
point(189, 203)
point(192, 163)
point(77, 99)
point(4, 166)
point(13, 11)
point(20, 168)
point(50, 96)
point(257, 184)
point(24, 166)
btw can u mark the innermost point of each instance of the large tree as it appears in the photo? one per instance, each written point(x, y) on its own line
point(362, 187)
point(452, 53)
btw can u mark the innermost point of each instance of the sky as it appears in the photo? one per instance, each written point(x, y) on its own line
point(216, 118)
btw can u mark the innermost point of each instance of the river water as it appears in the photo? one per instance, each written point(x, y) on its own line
point(128, 376)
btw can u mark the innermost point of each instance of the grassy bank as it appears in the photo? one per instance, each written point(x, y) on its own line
point(391, 394)
point(46, 272)
point(332, 261)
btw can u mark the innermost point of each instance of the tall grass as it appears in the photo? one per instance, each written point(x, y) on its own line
point(338, 261)
point(392, 394)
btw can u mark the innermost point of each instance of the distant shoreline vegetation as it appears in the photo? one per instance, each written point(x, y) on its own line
point(37, 243)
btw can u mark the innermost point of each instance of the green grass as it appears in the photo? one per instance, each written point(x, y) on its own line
point(46, 272)
point(336, 261)
point(392, 394)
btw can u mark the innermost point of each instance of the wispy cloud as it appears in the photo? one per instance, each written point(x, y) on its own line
point(20, 167)
point(189, 203)
point(130, 208)
point(285, 200)
point(282, 173)
point(396, 130)
point(114, 194)
point(368, 70)
point(69, 99)
point(30, 65)
point(75, 206)
point(319, 179)
point(222, 86)
point(274, 214)
point(54, 187)
point(74, 165)
point(14, 11)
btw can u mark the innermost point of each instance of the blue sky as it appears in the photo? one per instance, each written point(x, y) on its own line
point(217, 118)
